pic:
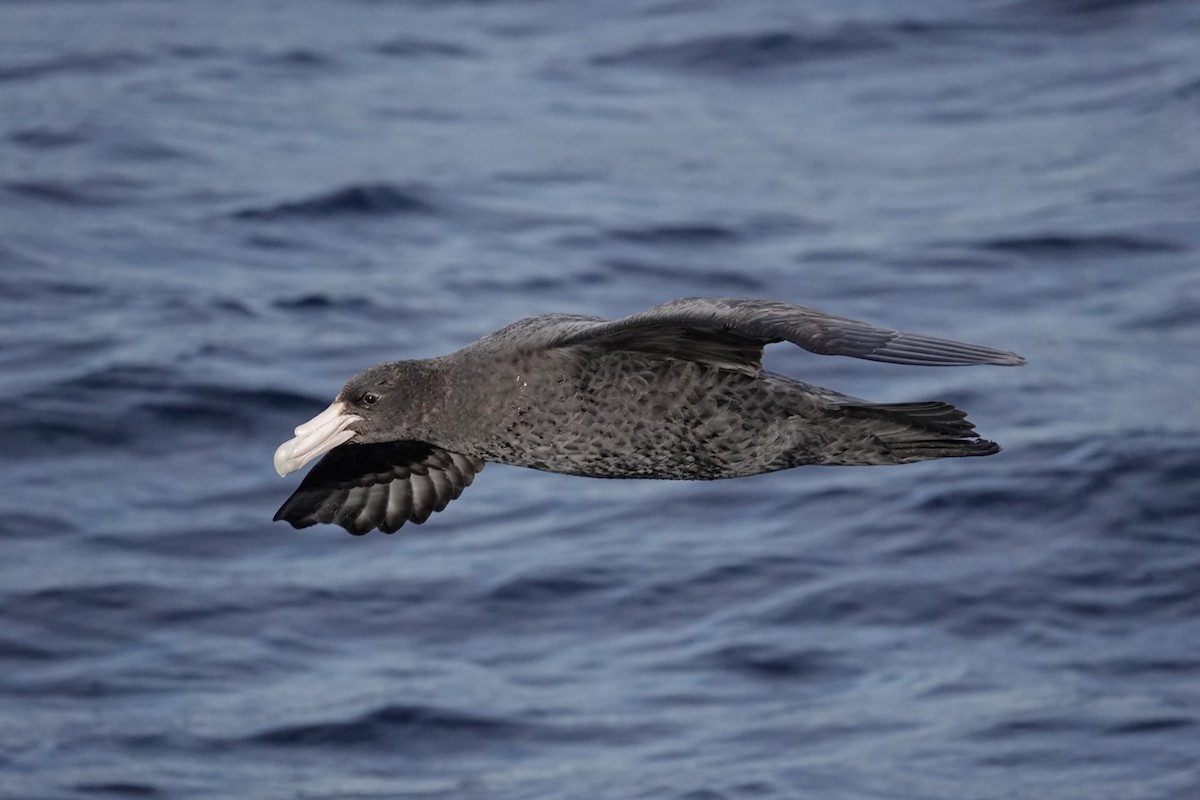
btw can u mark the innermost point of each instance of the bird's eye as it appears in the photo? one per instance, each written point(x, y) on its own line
point(369, 398)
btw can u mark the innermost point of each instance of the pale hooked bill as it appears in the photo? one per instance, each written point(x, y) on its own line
point(315, 438)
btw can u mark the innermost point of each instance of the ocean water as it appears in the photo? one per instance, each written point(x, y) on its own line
point(213, 213)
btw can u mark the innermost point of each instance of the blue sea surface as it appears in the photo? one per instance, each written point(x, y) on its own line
point(213, 213)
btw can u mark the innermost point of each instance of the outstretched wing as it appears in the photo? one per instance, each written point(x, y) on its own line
point(366, 486)
point(731, 333)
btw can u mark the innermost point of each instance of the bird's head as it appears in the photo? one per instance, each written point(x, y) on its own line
point(375, 405)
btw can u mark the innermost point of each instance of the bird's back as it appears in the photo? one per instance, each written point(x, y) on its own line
point(627, 414)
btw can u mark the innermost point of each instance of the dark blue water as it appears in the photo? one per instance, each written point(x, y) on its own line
point(213, 213)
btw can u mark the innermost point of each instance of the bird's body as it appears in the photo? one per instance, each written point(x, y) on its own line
point(606, 415)
point(677, 392)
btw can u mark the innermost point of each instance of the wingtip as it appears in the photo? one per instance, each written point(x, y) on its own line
point(282, 515)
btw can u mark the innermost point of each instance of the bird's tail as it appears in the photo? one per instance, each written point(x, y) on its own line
point(909, 432)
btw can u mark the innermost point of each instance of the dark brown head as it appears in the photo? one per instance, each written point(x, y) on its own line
point(384, 403)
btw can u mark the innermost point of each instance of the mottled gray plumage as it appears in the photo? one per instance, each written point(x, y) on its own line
point(677, 392)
